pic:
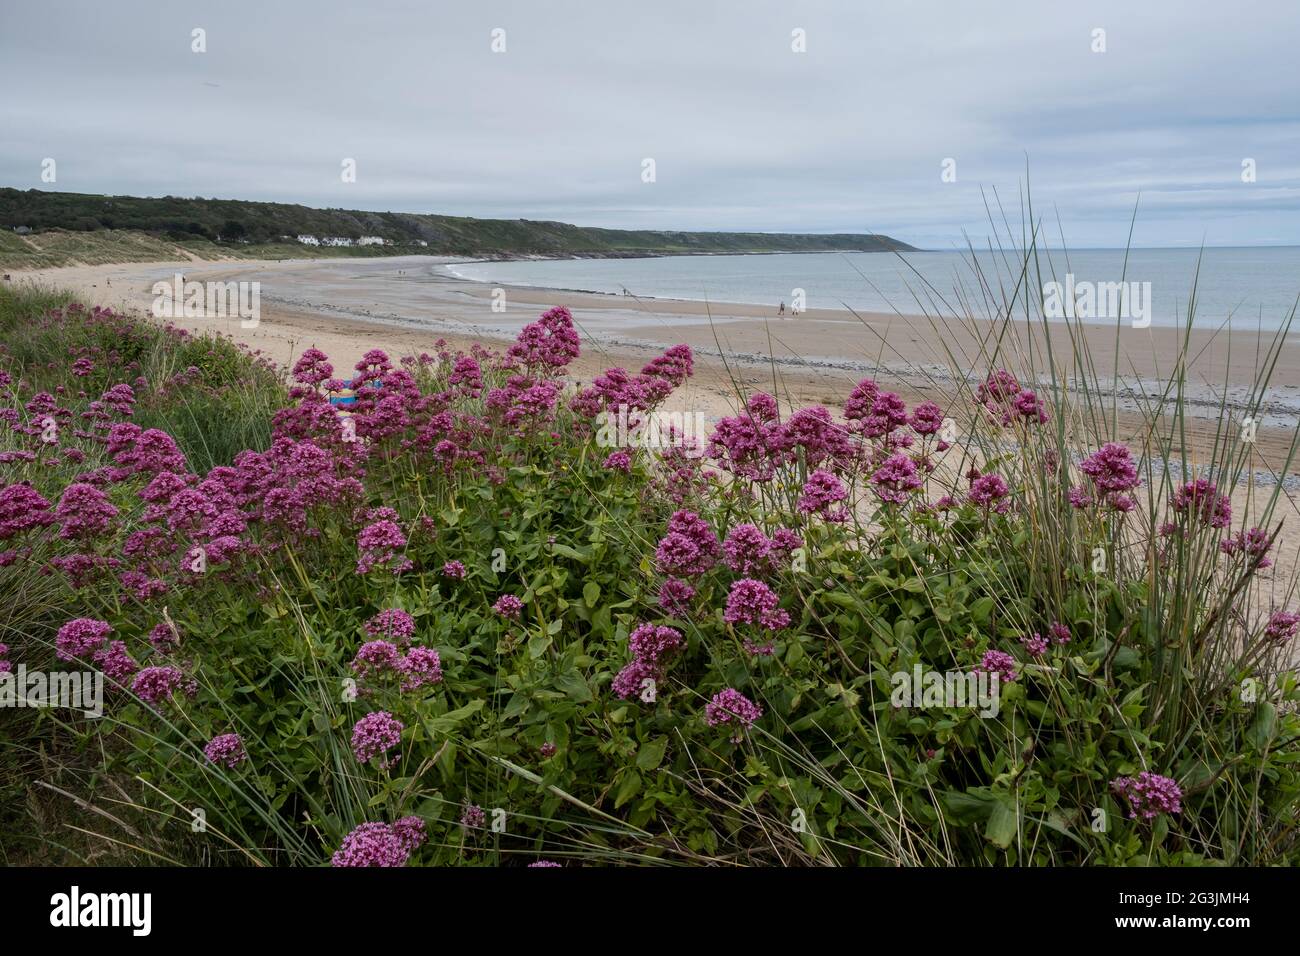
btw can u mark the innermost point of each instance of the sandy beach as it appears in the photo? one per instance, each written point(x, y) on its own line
point(345, 307)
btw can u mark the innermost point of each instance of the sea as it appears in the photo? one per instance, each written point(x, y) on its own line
point(1250, 287)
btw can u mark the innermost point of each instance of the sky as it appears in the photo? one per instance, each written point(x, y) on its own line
point(912, 118)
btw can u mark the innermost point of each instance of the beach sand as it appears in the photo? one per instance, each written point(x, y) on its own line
point(345, 307)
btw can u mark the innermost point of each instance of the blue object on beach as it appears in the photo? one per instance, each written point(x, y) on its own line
point(346, 396)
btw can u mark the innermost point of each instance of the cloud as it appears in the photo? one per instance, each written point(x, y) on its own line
point(745, 133)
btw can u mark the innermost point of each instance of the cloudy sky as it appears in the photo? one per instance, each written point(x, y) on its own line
point(745, 133)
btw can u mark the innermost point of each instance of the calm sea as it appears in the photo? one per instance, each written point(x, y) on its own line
point(1254, 286)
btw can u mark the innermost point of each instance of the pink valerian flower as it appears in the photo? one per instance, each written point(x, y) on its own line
point(785, 542)
point(312, 368)
point(547, 750)
point(1059, 633)
point(410, 832)
point(690, 547)
point(1035, 644)
point(655, 645)
point(377, 659)
point(115, 662)
point(653, 649)
point(153, 685)
point(80, 637)
point(1253, 544)
point(85, 512)
point(887, 413)
point(753, 602)
point(6, 666)
point(732, 709)
point(22, 508)
point(549, 344)
point(226, 750)
point(1079, 498)
point(819, 437)
point(618, 461)
point(999, 663)
point(393, 624)
point(820, 492)
point(675, 597)
point(631, 680)
point(421, 667)
point(378, 844)
point(989, 492)
point(82, 569)
point(676, 365)
point(896, 479)
point(762, 407)
point(747, 550)
point(473, 817)
point(143, 452)
point(1111, 469)
point(119, 398)
point(927, 419)
point(617, 394)
point(382, 546)
point(1200, 499)
point(1282, 626)
point(1030, 407)
point(466, 376)
point(997, 394)
point(163, 638)
point(858, 405)
point(508, 606)
point(1148, 795)
point(374, 735)
point(750, 445)
point(453, 570)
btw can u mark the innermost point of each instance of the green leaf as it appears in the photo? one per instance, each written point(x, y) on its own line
point(448, 721)
point(628, 789)
point(1002, 825)
point(591, 593)
point(574, 686)
point(1264, 728)
point(651, 753)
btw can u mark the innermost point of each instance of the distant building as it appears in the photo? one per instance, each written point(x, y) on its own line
point(335, 241)
point(422, 242)
point(370, 241)
point(309, 240)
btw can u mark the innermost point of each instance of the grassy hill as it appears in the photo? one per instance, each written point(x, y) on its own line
point(90, 228)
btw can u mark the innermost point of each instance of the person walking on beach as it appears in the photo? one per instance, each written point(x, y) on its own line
point(781, 308)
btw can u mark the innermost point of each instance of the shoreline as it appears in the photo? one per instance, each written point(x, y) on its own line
point(404, 304)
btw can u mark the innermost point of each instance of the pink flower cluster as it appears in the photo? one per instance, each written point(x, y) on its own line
point(1282, 626)
point(1113, 473)
point(226, 750)
point(374, 735)
point(690, 548)
point(732, 709)
point(1253, 545)
point(1200, 500)
point(1148, 795)
point(379, 844)
point(653, 649)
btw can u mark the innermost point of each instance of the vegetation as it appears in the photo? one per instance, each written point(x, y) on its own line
point(466, 624)
point(210, 228)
